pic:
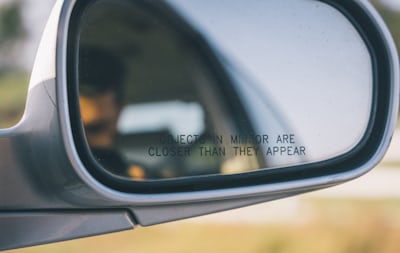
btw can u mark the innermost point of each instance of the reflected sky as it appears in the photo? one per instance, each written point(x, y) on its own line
point(308, 58)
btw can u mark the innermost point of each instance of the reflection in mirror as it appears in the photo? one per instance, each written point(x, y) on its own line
point(185, 88)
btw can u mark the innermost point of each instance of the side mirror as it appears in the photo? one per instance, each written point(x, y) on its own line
point(143, 112)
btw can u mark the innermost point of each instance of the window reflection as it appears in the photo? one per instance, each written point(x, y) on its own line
point(150, 104)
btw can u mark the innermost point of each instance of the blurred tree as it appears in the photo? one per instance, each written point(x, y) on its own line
point(13, 80)
point(392, 19)
point(12, 34)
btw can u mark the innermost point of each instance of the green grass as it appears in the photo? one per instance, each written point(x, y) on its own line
point(336, 226)
point(13, 90)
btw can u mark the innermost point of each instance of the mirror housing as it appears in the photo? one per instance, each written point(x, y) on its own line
point(42, 162)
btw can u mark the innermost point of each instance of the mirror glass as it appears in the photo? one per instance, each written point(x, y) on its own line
point(184, 88)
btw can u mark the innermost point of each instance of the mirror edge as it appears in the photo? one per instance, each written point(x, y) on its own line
point(235, 191)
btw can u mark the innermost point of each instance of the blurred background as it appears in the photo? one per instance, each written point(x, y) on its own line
point(359, 216)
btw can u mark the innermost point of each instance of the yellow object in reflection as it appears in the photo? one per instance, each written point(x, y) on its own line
point(99, 116)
